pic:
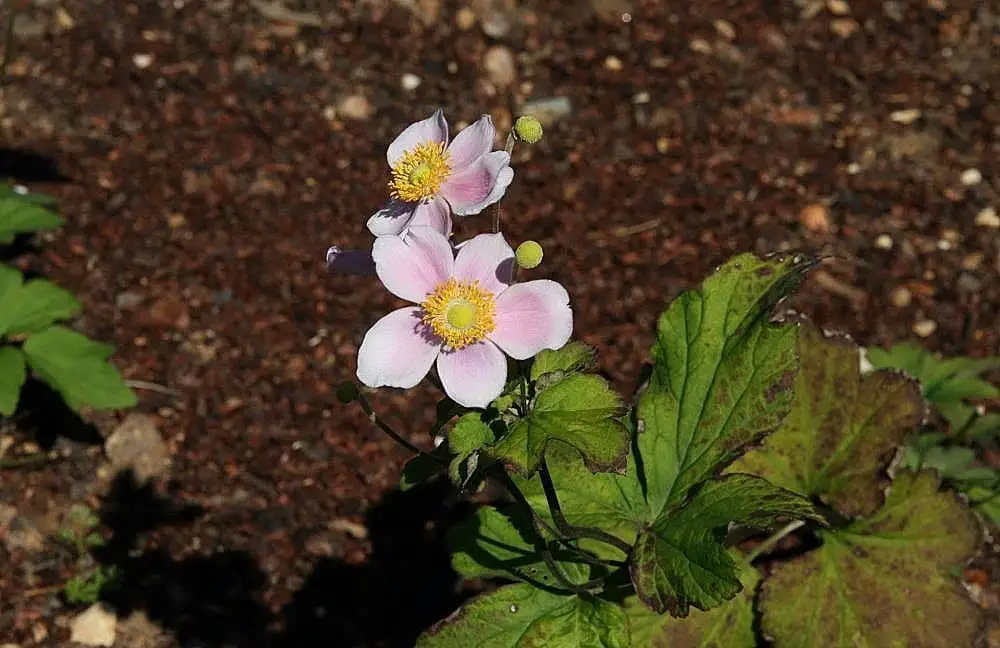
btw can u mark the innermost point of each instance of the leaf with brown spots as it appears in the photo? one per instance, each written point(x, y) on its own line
point(882, 581)
point(722, 375)
point(842, 429)
point(522, 616)
point(681, 561)
point(727, 626)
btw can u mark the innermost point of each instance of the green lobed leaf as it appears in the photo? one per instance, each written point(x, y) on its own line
point(36, 305)
point(882, 581)
point(77, 368)
point(11, 281)
point(842, 429)
point(19, 215)
point(423, 467)
point(581, 411)
point(731, 625)
point(574, 357)
point(681, 561)
point(12, 377)
point(522, 616)
point(948, 382)
point(722, 374)
point(611, 502)
point(495, 544)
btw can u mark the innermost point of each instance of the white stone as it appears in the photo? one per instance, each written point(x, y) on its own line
point(410, 81)
point(94, 627)
point(988, 218)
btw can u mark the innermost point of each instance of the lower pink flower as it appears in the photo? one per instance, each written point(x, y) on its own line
point(468, 315)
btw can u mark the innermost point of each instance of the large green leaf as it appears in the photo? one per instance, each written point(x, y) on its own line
point(682, 561)
point(882, 581)
point(77, 368)
point(11, 281)
point(948, 382)
point(522, 616)
point(722, 375)
point(728, 626)
point(465, 439)
point(36, 305)
point(581, 411)
point(19, 215)
point(843, 428)
point(611, 502)
point(493, 543)
point(574, 357)
point(12, 376)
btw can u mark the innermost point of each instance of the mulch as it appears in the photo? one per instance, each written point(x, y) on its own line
point(205, 156)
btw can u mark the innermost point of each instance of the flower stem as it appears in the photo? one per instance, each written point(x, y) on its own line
point(509, 149)
point(568, 529)
point(769, 544)
point(382, 425)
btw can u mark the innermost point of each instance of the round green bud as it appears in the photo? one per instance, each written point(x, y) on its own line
point(347, 392)
point(529, 255)
point(528, 129)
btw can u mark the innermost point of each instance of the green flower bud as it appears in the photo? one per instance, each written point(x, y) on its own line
point(529, 255)
point(528, 129)
point(347, 392)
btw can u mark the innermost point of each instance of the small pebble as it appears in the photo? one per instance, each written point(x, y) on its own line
point(853, 168)
point(925, 328)
point(988, 218)
point(410, 81)
point(884, 242)
point(614, 64)
point(355, 107)
point(725, 29)
point(971, 177)
point(844, 27)
point(838, 7)
point(465, 19)
point(499, 66)
point(142, 61)
point(815, 218)
point(901, 297)
point(944, 245)
point(548, 110)
point(94, 627)
point(907, 116)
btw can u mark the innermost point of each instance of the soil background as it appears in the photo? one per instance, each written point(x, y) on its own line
point(205, 154)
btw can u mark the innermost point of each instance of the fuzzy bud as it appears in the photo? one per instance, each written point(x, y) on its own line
point(528, 129)
point(529, 255)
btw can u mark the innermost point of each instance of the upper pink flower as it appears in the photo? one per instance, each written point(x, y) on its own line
point(468, 316)
point(431, 178)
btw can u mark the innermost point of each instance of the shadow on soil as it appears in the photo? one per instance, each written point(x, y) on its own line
point(216, 601)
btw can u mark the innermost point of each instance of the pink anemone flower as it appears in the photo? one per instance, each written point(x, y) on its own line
point(431, 179)
point(468, 315)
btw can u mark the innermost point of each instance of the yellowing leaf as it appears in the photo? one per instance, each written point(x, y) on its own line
point(842, 430)
point(881, 583)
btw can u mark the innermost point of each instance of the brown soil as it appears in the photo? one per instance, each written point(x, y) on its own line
point(205, 158)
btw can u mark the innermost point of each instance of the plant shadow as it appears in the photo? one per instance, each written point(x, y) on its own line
point(217, 600)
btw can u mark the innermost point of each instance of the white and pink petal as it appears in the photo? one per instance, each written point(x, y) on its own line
point(532, 316)
point(488, 259)
point(473, 376)
point(469, 190)
point(435, 214)
point(412, 267)
point(434, 129)
point(397, 351)
point(472, 143)
point(392, 219)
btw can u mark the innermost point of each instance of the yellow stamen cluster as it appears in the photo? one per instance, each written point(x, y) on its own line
point(420, 173)
point(460, 312)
